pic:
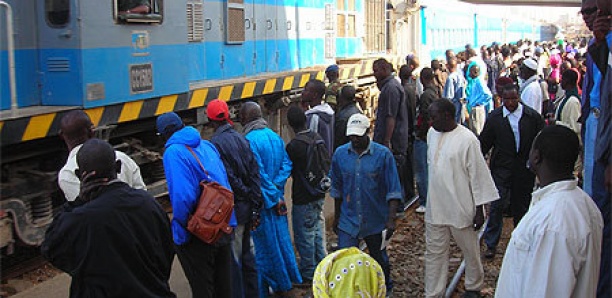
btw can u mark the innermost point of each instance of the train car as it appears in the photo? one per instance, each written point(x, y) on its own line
point(123, 68)
point(455, 26)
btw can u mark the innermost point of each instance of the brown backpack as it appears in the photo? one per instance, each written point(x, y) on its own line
point(211, 217)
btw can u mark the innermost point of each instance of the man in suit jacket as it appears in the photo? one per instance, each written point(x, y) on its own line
point(509, 131)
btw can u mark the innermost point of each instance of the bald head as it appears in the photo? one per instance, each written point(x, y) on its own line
point(99, 156)
point(75, 128)
point(249, 111)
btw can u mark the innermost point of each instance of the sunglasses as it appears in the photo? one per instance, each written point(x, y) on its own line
point(588, 11)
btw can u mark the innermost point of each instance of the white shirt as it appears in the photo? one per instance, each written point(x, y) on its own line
point(71, 185)
point(514, 118)
point(570, 114)
point(555, 249)
point(459, 179)
point(532, 94)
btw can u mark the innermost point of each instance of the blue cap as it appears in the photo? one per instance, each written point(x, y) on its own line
point(168, 123)
point(332, 67)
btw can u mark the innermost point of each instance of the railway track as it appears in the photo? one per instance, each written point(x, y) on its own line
point(23, 267)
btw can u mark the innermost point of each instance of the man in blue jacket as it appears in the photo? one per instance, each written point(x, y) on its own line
point(206, 266)
point(243, 174)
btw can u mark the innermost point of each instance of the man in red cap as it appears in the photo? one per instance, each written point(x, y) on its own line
point(243, 174)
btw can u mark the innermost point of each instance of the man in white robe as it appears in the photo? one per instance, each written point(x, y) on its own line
point(555, 249)
point(460, 184)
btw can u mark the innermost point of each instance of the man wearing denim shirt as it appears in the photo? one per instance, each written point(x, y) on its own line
point(366, 189)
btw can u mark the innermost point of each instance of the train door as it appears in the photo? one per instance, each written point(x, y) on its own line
point(58, 52)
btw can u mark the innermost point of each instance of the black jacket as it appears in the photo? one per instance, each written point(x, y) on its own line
point(507, 164)
point(117, 245)
point(242, 171)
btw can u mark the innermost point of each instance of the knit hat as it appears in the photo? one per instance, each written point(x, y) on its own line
point(217, 110)
point(168, 123)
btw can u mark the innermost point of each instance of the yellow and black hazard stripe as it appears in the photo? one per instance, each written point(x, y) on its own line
point(14, 131)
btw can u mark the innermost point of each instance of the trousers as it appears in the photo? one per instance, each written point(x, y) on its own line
point(477, 119)
point(437, 240)
point(420, 170)
point(309, 236)
point(244, 273)
point(207, 268)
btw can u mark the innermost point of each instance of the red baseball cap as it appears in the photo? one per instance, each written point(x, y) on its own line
point(217, 110)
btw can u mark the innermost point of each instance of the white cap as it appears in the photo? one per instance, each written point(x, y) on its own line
point(357, 125)
point(530, 63)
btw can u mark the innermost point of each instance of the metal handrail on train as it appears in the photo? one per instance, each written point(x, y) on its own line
point(11, 55)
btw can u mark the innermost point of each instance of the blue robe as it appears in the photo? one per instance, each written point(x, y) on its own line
point(274, 254)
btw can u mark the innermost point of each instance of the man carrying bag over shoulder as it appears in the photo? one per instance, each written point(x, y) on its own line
point(206, 266)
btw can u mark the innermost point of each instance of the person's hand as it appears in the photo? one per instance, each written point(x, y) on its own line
point(255, 220)
point(90, 185)
point(390, 226)
point(281, 208)
point(601, 26)
point(478, 218)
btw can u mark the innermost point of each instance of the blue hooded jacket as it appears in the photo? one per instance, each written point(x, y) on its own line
point(183, 175)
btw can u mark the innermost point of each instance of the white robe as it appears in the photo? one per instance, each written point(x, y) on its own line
point(459, 179)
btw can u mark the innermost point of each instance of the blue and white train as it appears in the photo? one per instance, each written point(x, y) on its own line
point(124, 69)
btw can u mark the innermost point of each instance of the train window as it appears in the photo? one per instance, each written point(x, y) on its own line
point(329, 16)
point(341, 31)
point(57, 12)
point(351, 5)
point(340, 4)
point(138, 11)
point(235, 32)
point(351, 26)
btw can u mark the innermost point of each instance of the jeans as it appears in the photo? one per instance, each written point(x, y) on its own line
point(458, 111)
point(244, 273)
point(309, 236)
point(207, 268)
point(373, 242)
point(590, 134)
point(401, 164)
point(420, 170)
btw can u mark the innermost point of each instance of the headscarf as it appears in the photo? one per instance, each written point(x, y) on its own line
point(349, 273)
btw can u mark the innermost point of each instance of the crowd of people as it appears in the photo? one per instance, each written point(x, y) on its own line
point(522, 128)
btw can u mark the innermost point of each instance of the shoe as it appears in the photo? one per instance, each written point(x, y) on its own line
point(471, 294)
point(490, 253)
point(421, 209)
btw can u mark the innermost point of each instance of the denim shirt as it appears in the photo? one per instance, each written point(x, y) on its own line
point(365, 183)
